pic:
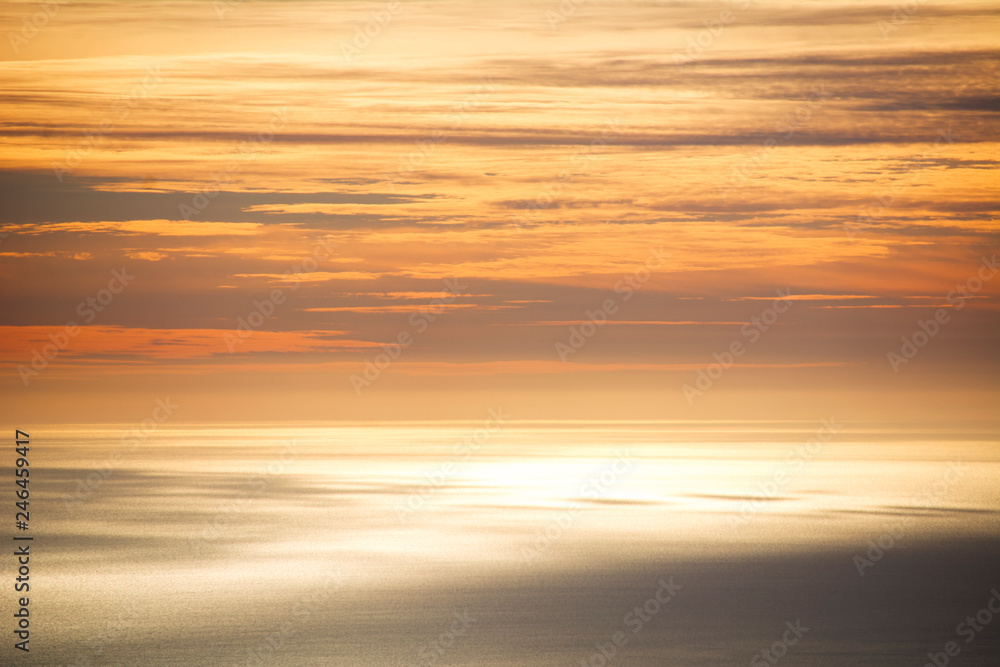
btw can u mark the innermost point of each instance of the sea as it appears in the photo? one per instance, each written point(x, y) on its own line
point(497, 542)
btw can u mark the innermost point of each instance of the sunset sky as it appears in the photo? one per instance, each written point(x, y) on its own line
point(480, 179)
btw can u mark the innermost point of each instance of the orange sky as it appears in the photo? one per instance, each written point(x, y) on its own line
point(293, 198)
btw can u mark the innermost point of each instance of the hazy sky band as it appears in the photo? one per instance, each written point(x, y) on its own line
point(836, 150)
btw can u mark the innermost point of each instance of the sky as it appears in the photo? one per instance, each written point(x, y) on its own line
point(270, 211)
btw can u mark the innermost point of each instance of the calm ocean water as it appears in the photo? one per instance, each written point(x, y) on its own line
point(483, 543)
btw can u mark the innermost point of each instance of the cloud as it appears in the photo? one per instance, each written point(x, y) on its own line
point(148, 347)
